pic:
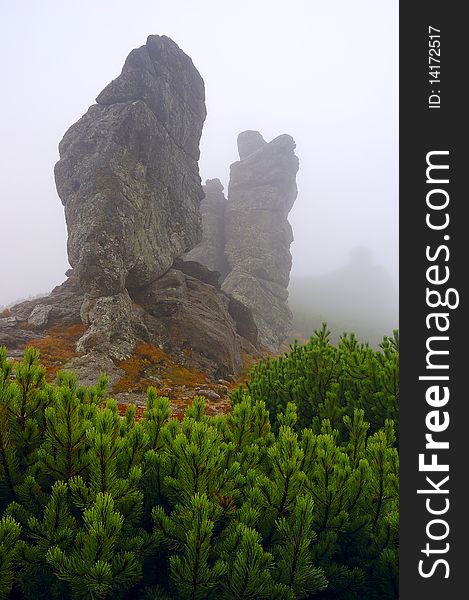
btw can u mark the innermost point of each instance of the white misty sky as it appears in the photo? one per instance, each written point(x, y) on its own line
point(324, 72)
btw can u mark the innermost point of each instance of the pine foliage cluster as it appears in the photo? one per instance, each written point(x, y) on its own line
point(96, 506)
point(327, 381)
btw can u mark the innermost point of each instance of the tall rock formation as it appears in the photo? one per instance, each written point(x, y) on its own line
point(257, 233)
point(210, 251)
point(139, 290)
point(129, 181)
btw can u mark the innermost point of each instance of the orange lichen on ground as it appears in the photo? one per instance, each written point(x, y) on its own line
point(58, 347)
point(151, 366)
point(180, 375)
point(178, 409)
point(136, 366)
point(122, 409)
point(148, 366)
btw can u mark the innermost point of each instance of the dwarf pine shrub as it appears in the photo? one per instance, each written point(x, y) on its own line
point(95, 506)
point(330, 382)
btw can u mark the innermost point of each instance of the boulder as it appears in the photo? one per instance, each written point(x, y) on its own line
point(184, 313)
point(60, 307)
point(39, 316)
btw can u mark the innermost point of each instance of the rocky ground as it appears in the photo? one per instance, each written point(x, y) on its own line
point(129, 378)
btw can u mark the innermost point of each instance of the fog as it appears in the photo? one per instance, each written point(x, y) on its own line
point(358, 297)
point(324, 72)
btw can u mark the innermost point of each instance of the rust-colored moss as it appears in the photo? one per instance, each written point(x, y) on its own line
point(122, 409)
point(58, 347)
point(139, 411)
point(180, 375)
point(136, 368)
point(149, 362)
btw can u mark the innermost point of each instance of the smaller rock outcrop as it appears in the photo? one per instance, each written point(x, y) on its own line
point(28, 320)
point(211, 250)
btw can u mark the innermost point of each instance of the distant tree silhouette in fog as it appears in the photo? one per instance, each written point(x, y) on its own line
point(360, 296)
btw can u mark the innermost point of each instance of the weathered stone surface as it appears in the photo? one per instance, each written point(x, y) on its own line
point(14, 337)
point(249, 142)
point(261, 193)
point(195, 322)
point(245, 324)
point(88, 368)
point(109, 322)
point(40, 315)
point(182, 312)
point(60, 307)
point(128, 175)
point(210, 251)
point(247, 238)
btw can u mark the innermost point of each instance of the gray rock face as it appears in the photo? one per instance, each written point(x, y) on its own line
point(261, 193)
point(210, 251)
point(248, 142)
point(184, 312)
point(14, 338)
point(129, 181)
point(109, 325)
point(245, 324)
point(198, 271)
point(88, 367)
point(40, 315)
